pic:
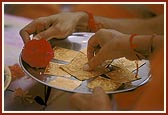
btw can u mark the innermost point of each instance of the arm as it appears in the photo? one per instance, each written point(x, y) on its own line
point(114, 44)
point(97, 101)
point(129, 26)
point(147, 45)
point(64, 24)
point(57, 26)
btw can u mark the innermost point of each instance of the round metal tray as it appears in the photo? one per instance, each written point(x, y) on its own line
point(78, 41)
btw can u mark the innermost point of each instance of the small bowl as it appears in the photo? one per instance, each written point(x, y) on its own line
point(7, 77)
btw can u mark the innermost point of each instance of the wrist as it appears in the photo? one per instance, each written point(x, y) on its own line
point(88, 22)
point(93, 25)
point(144, 48)
point(82, 22)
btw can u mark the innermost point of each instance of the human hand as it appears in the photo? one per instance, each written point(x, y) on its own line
point(110, 44)
point(97, 101)
point(55, 26)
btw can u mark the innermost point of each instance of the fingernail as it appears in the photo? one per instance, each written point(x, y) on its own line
point(36, 38)
point(86, 67)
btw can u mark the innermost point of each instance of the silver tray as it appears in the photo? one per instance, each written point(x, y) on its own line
point(78, 41)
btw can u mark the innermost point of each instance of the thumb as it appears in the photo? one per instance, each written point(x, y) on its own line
point(98, 90)
point(97, 60)
point(47, 34)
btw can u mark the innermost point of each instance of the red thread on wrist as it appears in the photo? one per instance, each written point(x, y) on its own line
point(132, 46)
point(92, 25)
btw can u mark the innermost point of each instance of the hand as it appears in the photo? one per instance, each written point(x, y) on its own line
point(55, 26)
point(91, 102)
point(110, 44)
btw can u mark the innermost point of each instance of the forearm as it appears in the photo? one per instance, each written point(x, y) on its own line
point(129, 26)
point(147, 45)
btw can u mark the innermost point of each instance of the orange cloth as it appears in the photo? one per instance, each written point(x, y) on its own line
point(32, 11)
point(151, 95)
point(108, 10)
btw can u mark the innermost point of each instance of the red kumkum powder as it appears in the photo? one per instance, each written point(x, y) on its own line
point(37, 53)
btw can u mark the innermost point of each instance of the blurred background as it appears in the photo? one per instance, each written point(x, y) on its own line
point(108, 10)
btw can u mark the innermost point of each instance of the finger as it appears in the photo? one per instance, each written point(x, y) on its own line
point(25, 36)
point(47, 34)
point(98, 59)
point(53, 32)
point(92, 43)
point(103, 97)
point(78, 98)
point(108, 51)
point(28, 30)
point(98, 91)
point(34, 27)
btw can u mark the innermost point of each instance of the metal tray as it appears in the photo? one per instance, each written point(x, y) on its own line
point(78, 41)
